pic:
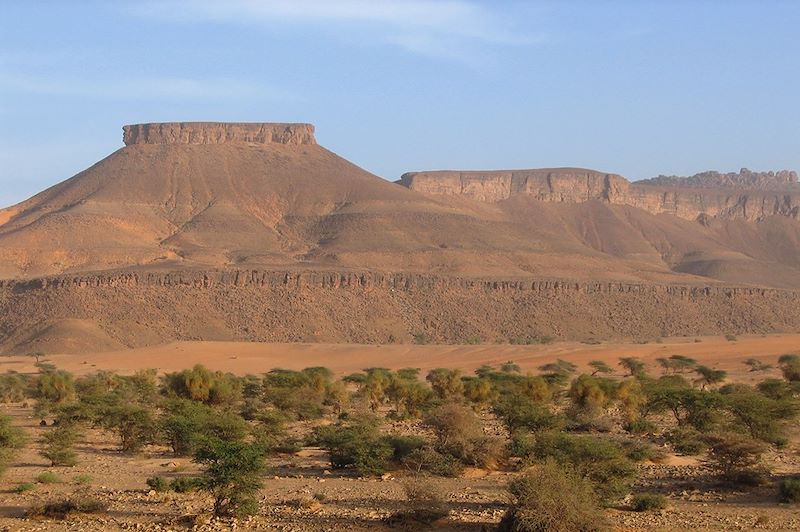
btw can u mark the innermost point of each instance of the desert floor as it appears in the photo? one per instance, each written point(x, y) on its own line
point(242, 358)
point(353, 503)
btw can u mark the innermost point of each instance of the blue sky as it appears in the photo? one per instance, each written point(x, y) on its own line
point(634, 87)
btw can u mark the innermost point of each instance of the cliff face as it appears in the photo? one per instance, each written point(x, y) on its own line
point(785, 180)
point(547, 184)
point(136, 309)
point(218, 133)
point(573, 185)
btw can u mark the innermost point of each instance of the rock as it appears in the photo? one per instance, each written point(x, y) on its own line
point(218, 133)
point(578, 185)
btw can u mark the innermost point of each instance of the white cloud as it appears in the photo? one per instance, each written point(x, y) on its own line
point(142, 88)
point(445, 28)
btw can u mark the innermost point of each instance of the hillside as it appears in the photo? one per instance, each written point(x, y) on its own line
point(162, 239)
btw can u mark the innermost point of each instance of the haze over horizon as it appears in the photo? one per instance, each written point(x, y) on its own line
point(639, 89)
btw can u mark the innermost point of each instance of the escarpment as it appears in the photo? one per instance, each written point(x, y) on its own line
point(218, 133)
point(204, 230)
point(135, 309)
point(572, 185)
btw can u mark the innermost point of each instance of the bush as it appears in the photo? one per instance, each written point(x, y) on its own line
point(47, 477)
point(358, 444)
point(203, 385)
point(59, 444)
point(687, 441)
point(424, 505)
point(789, 490)
point(731, 454)
point(459, 433)
point(11, 440)
point(553, 498)
point(233, 475)
point(640, 426)
point(428, 460)
point(81, 479)
point(520, 412)
point(25, 486)
point(14, 387)
point(403, 445)
point(639, 452)
point(185, 484)
point(62, 509)
point(158, 484)
point(602, 461)
point(764, 418)
point(644, 502)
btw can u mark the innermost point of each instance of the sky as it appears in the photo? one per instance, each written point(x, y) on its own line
point(635, 87)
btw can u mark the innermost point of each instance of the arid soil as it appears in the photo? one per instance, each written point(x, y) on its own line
point(242, 357)
point(477, 499)
point(254, 232)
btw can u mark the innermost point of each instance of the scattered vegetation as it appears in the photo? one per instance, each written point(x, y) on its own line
point(789, 490)
point(578, 437)
point(553, 498)
point(645, 502)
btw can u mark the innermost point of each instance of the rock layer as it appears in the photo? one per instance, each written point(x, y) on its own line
point(377, 307)
point(574, 185)
point(785, 180)
point(218, 133)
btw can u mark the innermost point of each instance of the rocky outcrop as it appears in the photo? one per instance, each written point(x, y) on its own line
point(574, 185)
point(744, 179)
point(148, 308)
point(546, 184)
point(218, 133)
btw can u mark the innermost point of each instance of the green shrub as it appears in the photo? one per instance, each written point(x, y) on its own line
point(403, 445)
point(645, 502)
point(600, 460)
point(429, 460)
point(233, 474)
point(157, 483)
point(639, 452)
point(520, 412)
point(763, 417)
point(790, 367)
point(687, 441)
point(553, 498)
point(11, 440)
point(203, 385)
point(59, 443)
point(25, 486)
point(14, 387)
point(81, 479)
point(357, 443)
point(47, 477)
point(186, 484)
point(789, 490)
point(640, 426)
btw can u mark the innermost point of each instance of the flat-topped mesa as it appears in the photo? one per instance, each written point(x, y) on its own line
point(577, 185)
point(744, 179)
point(572, 185)
point(218, 133)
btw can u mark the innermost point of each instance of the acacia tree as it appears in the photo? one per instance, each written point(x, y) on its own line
point(233, 474)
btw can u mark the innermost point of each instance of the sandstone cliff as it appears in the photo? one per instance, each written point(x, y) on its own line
point(573, 185)
point(218, 133)
point(785, 180)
